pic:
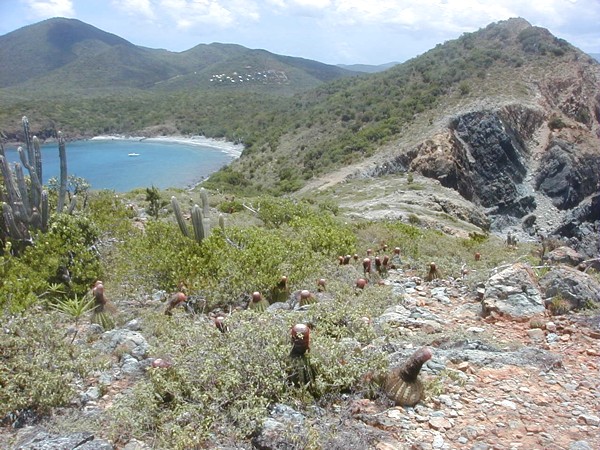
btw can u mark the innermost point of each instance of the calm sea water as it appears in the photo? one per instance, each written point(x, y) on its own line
point(106, 164)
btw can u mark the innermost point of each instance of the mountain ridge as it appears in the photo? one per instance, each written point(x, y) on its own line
point(59, 53)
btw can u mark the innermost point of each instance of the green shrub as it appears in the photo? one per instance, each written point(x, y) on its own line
point(38, 365)
point(220, 385)
point(65, 254)
point(556, 123)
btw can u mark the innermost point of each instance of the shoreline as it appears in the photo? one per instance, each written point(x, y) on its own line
point(228, 147)
point(232, 150)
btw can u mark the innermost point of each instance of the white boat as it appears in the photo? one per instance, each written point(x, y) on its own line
point(133, 154)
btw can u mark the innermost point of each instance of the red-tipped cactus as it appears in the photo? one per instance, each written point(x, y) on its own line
point(366, 266)
point(257, 302)
point(361, 283)
point(178, 298)
point(300, 334)
point(396, 260)
point(306, 298)
point(160, 363)
point(219, 322)
point(321, 284)
point(300, 373)
point(433, 273)
point(378, 264)
point(101, 307)
point(281, 292)
point(402, 384)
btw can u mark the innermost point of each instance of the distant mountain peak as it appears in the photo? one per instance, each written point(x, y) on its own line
point(64, 33)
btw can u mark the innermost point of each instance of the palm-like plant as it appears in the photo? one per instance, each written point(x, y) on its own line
point(74, 307)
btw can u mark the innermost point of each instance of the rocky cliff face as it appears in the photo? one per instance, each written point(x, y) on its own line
point(566, 174)
point(531, 165)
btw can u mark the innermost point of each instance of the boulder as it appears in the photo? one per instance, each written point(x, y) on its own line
point(582, 226)
point(38, 439)
point(578, 288)
point(514, 293)
point(401, 317)
point(126, 341)
point(280, 428)
point(564, 255)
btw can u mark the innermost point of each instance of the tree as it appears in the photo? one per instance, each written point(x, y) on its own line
point(156, 202)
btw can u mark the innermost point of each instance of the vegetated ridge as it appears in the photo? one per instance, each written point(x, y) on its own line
point(67, 55)
point(506, 116)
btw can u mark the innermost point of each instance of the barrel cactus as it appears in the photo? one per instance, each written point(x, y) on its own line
point(306, 298)
point(258, 303)
point(402, 384)
point(301, 372)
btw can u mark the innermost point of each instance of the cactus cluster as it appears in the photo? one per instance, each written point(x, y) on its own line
point(200, 219)
point(25, 206)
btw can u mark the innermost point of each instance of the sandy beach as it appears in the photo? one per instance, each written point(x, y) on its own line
point(234, 150)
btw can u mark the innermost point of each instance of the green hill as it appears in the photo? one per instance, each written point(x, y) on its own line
point(67, 56)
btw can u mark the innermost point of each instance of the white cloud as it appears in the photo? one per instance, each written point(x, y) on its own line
point(221, 13)
point(138, 8)
point(50, 8)
point(438, 15)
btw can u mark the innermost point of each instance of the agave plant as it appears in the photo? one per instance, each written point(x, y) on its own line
point(74, 307)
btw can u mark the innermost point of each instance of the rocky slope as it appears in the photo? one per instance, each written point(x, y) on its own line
point(504, 373)
point(527, 155)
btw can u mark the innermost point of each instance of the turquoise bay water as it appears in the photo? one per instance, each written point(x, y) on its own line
point(163, 163)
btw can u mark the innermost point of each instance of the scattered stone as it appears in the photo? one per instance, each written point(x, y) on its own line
point(38, 439)
point(475, 330)
point(438, 441)
point(134, 444)
point(440, 423)
point(580, 445)
point(589, 419)
point(536, 334)
point(124, 341)
point(533, 428)
point(93, 393)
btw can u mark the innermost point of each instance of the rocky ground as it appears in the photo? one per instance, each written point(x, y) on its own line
point(513, 378)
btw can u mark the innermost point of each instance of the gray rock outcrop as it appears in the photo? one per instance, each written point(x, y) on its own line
point(38, 439)
point(566, 175)
point(576, 287)
point(513, 292)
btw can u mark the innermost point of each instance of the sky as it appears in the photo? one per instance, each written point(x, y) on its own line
point(329, 31)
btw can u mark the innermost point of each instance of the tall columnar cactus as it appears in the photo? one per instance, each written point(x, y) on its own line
point(198, 223)
point(24, 208)
point(62, 193)
point(200, 219)
point(26, 205)
point(179, 216)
